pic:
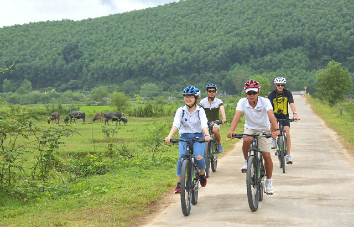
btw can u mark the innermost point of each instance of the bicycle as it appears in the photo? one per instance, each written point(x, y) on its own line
point(211, 150)
point(189, 176)
point(282, 147)
point(255, 171)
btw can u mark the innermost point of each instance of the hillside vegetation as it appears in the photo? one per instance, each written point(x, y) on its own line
point(192, 41)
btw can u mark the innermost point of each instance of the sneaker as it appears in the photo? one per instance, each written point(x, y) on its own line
point(273, 144)
point(276, 153)
point(220, 149)
point(178, 188)
point(244, 167)
point(288, 160)
point(203, 180)
point(269, 187)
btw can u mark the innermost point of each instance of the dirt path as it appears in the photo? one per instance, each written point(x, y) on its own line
point(317, 190)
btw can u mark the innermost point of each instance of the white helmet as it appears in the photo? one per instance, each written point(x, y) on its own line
point(280, 80)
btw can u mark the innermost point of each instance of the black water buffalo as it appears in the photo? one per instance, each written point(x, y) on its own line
point(115, 116)
point(54, 116)
point(98, 116)
point(75, 115)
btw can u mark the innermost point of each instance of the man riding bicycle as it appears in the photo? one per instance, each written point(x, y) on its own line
point(191, 122)
point(257, 111)
point(212, 106)
point(280, 98)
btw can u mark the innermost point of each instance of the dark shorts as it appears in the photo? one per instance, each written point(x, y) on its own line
point(281, 116)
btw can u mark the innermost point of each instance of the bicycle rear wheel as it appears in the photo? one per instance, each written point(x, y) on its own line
point(186, 187)
point(207, 155)
point(252, 184)
point(262, 183)
point(214, 156)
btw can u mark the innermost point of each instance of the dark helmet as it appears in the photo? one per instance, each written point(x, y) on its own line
point(191, 90)
point(211, 86)
point(252, 84)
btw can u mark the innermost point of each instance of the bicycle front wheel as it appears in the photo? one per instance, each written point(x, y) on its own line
point(207, 155)
point(195, 187)
point(186, 187)
point(214, 156)
point(282, 152)
point(252, 183)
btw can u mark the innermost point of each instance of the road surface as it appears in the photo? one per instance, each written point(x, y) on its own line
point(317, 190)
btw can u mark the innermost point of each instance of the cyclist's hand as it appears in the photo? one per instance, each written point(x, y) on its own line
point(275, 134)
point(207, 138)
point(223, 121)
point(230, 134)
point(296, 118)
point(167, 139)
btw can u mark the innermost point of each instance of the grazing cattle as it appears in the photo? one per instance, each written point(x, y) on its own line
point(115, 116)
point(98, 116)
point(54, 116)
point(75, 115)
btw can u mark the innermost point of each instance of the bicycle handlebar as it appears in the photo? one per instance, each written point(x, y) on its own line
point(240, 136)
point(187, 140)
point(290, 120)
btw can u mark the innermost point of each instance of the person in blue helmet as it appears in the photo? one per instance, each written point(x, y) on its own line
point(212, 107)
point(191, 121)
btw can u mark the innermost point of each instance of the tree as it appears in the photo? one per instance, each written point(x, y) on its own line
point(119, 100)
point(99, 93)
point(264, 83)
point(7, 86)
point(333, 82)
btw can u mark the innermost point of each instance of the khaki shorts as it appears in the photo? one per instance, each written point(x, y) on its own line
point(216, 126)
point(263, 143)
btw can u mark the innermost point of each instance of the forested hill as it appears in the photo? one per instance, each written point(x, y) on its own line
point(192, 41)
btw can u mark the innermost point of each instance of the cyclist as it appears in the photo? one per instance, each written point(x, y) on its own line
point(258, 111)
point(191, 122)
point(280, 97)
point(212, 106)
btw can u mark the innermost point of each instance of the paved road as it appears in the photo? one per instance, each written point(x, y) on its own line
point(317, 190)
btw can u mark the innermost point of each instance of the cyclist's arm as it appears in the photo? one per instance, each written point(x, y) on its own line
point(274, 123)
point(206, 133)
point(172, 132)
point(234, 123)
point(222, 110)
point(295, 116)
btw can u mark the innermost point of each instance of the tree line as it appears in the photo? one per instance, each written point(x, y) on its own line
point(189, 42)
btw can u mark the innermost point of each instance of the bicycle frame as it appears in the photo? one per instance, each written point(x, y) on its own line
point(211, 150)
point(282, 148)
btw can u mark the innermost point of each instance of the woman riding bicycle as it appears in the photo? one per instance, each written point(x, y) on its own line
point(257, 110)
point(192, 123)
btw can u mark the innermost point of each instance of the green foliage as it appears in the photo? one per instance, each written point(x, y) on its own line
point(120, 101)
point(333, 82)
point(154, 138)
point(264, 83)
point(99, 93)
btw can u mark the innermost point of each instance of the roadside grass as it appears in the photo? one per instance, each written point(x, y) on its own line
point(342, 125)
point(121, 197)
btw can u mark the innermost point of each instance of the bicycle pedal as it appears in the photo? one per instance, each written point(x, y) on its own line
point(243, 170)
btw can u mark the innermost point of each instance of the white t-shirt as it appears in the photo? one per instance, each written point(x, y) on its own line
point(256, 118)
point(190, 122)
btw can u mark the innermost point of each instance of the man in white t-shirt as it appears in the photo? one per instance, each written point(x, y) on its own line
point(258, 111)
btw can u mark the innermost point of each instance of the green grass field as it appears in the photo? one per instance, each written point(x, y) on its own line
point(120, 197)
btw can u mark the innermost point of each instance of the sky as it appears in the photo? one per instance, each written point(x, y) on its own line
point(25, 11)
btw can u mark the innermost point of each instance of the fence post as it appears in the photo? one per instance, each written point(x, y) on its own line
point(340, 111)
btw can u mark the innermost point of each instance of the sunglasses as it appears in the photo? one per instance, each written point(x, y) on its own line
point(251, 93)
point(280, 85)
point(211, 91)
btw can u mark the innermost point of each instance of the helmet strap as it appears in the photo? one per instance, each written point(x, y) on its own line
point(194, 104)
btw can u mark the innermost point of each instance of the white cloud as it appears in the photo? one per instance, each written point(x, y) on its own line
point(26, 11)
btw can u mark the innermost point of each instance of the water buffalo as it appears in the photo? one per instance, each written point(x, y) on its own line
point(115, 116)
point(98, 116)
point(75, 115)
point(54, 116)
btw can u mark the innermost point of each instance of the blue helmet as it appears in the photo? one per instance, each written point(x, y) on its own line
point(191, 90)
point(211, 86)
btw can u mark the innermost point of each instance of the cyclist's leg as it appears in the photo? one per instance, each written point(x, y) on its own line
point(264, 146)
point(246, 145)
point(199, 154)
point(216, 129)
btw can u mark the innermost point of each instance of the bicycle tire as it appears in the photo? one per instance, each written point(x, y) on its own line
point(252, 184)
point(195, 187)
point(282, 152)
point(214, 157)
point(279, 142)
point(186, 187)
point(207, 159)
